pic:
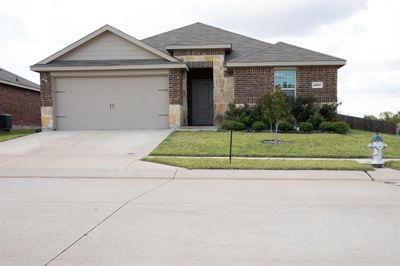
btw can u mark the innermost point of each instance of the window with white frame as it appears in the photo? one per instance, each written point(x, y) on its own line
point(286, 80)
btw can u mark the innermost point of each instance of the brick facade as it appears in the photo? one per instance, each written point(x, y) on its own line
point(198, 52)
point(253, 82)
point(327, 74)
point(22, 104)
point(199, 64)
point(46, 94)
point(175, 86)
point(250, 83)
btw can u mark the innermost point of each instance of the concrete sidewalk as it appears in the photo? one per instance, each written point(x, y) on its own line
point(117, 154)
point(146, 170)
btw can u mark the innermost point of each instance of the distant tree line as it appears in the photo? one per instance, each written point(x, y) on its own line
point(386, 116)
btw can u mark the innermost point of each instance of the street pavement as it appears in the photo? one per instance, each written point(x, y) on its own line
point(73, 221)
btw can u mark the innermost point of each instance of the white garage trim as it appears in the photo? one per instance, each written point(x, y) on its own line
point(119, 67)
point(115, 73)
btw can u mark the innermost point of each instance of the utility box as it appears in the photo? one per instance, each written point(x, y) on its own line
point(5, 122)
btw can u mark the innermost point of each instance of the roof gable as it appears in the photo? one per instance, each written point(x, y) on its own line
point(108, 46)
point(106, 34)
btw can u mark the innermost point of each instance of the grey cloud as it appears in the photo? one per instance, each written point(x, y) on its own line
point(285, 18)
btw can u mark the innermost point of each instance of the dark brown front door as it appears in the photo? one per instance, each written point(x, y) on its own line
point(202, 102)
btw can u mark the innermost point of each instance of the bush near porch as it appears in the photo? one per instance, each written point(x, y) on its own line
point(313, 145)
point(306, 113)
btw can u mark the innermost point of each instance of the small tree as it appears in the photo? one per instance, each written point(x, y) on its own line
point(275, 108)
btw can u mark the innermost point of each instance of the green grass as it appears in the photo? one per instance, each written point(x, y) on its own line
point(323, 145)
point(15, 133)
point(219, 163)
point(393, 164)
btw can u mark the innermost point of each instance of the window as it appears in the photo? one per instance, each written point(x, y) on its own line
point(286, 79)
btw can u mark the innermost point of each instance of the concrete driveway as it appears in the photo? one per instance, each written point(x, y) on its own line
point(198, 222)
point(79, 153)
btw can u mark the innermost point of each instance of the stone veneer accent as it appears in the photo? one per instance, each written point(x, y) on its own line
point(223, 84)
point(251, 83)
point(46, 97)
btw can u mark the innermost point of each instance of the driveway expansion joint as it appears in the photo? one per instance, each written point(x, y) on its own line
point(105, 219)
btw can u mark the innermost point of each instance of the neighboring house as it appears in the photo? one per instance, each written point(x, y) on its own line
point(187, 76)
point(20, 98)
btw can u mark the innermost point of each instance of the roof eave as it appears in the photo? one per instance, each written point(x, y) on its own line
point(19, 85)
point(294, 63)
point(41, 68)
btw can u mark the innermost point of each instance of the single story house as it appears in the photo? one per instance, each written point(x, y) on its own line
point(20, 98)
point(187, 76)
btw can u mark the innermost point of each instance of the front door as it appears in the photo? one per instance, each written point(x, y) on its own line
point(202, 102)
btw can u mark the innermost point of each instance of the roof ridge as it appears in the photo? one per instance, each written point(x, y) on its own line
point(306, 49)
point(233, 33)
point(179, 28)
point(254, 52)
point(200, 23)
point(280, 43)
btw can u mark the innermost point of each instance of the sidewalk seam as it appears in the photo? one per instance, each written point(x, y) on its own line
point(370, 176)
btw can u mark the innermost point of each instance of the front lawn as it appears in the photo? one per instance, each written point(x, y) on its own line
point(15, 133)
point(393, 164)
point(322, 145)
point(219, 163)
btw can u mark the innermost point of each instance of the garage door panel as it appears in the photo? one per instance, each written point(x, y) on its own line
point(112, 103)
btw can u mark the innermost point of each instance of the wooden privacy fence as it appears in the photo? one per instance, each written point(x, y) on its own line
point(369, 124)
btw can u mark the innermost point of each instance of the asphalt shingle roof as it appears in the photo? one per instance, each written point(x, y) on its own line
point(18, 81)
point(244, 49)
point(199, 33)
point(283, 52)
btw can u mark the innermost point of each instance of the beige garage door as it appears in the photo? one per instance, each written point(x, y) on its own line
point(111, 103)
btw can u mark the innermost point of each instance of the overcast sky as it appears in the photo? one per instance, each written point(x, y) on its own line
point(364, 32)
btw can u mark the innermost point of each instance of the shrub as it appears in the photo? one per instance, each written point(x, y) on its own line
point(303, 108)
point(285, 127)
point(231, 124)
point(306, 127)
point(341, 127)
point(326, 126)
point(257, 115)
point(329, 111)
point(241, 114)
point(258, 125)
point(316, 120)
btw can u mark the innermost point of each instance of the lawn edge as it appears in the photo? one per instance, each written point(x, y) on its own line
point(154, 159)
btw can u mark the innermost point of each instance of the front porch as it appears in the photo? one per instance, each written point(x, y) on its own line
point(200, 96)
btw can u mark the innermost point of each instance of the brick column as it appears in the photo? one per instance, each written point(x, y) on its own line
point(46, 97)
point(177, 93)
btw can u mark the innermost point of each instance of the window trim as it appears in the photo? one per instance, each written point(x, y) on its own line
point(295, 79)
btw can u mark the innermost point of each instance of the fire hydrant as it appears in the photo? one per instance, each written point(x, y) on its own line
point(377, 154)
